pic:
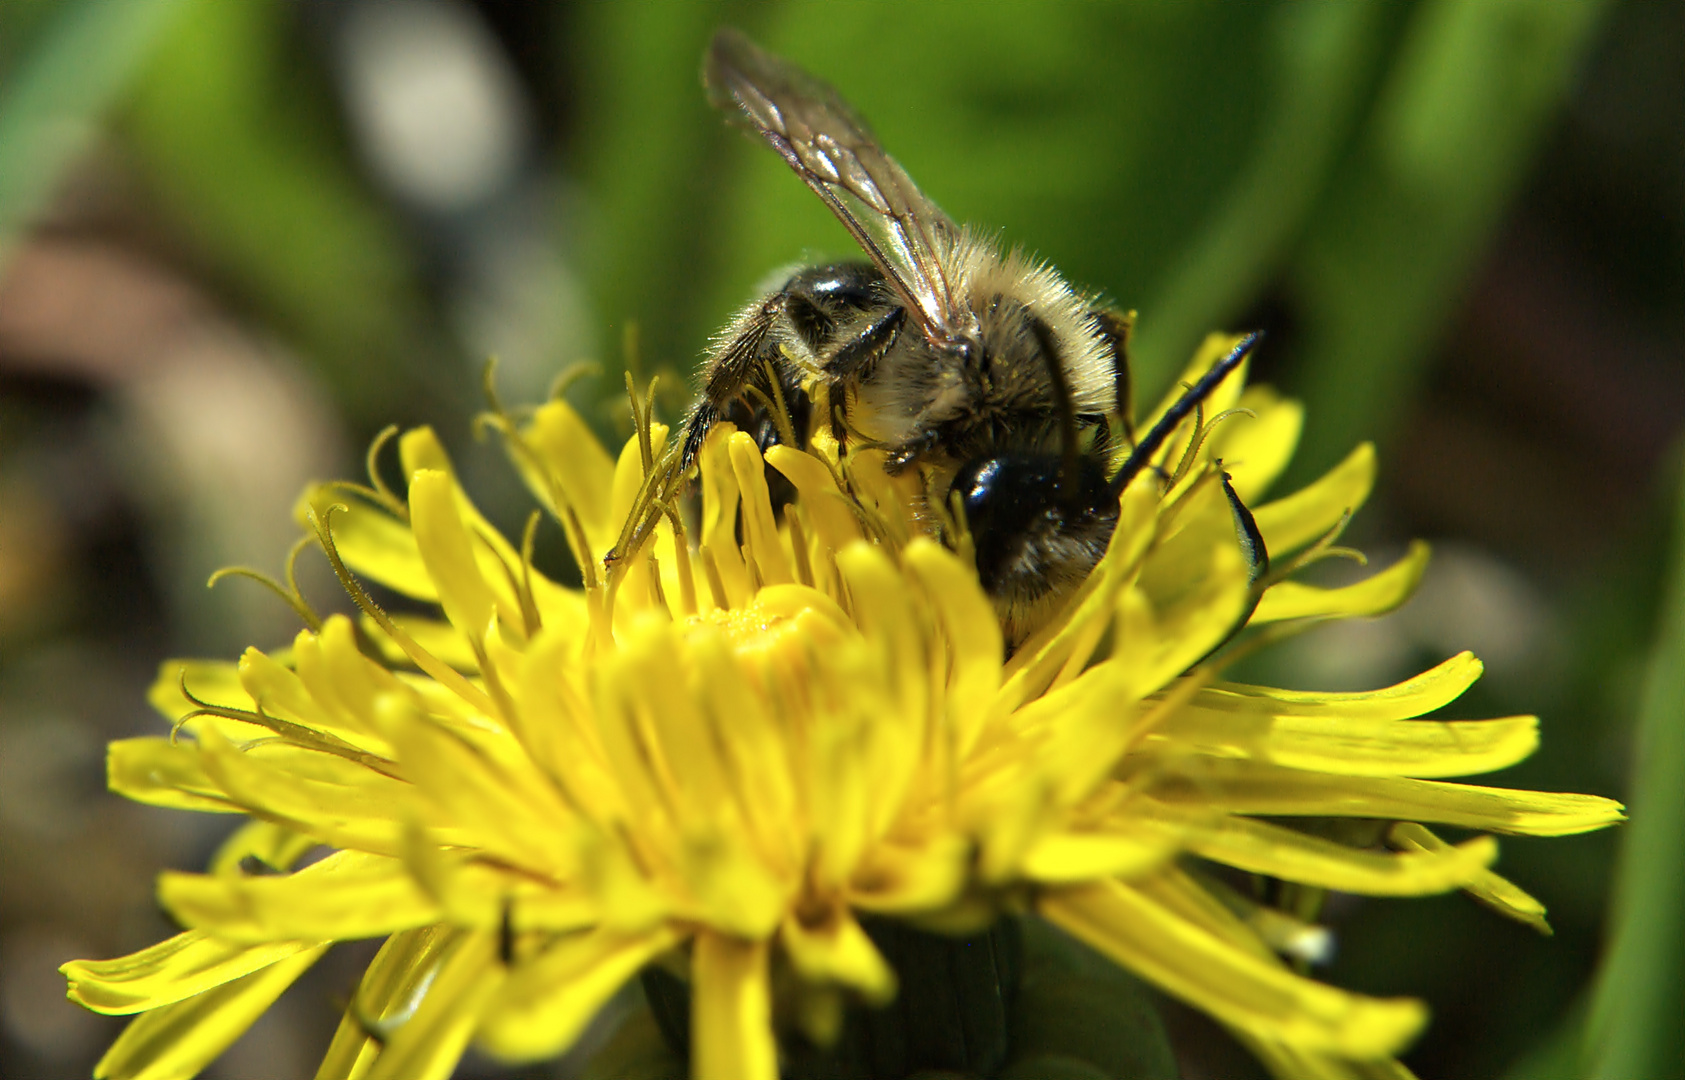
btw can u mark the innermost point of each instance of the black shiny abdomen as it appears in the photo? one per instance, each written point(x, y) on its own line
point(1022, 523)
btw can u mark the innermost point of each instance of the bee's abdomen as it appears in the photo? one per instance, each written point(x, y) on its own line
point(1032, 536)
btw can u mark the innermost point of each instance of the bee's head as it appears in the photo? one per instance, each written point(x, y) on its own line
point(1032, 540)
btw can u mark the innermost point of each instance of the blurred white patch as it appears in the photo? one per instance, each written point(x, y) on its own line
point(1468, 599)
point(436, 108)
point(220, 439)
point(519, 301)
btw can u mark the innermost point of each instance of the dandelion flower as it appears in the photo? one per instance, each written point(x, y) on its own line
point(726, 752)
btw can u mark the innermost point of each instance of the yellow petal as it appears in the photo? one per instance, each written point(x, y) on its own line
point(177, 1041)
point(419, 448)
point(972, 637)
point(475, 892)
point(157, 772)
point(835, 949)
point(1375, 595)
point(1261, 848)
point(1231, 984)
point(1355, 747)
point(1245, 787)
point(1422, 694)
point(549, 998)
point(274, 846)
point(731, 1009)
point(555, 725)
point(719, 515)
point(629, 473)
point(833, 522)
point(280, 694)
point(1033, 667)
point(484, 787)
point(747, 728)
point(760, 531)
point(209, 681)
point(1496, 892)
point(1290, 523)
point(1292, 1063)
point(429, 1045)
point(448, 551)
point(373, 543)
point(1064, 857)
point(1212, 349)
point(347, 895)
point(435, 635)
point(735, 892)
point(570, 455)
point(652, 682)
point(904, 879)
point(179, 967)
point(1158, 649)
point(1082, 729)
point(1255, 449)
point(867, 753)
point(339, 802)
point(386, 997)
point(347, 684)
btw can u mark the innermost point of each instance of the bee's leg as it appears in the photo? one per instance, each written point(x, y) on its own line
point(856, 357)
point(1064, 412)
point(739, 361)
point(1246, 528)
point(909, 452)
point(738, 364)
point(703, 416)
point(1115, 329)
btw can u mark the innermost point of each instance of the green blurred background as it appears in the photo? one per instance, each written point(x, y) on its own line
point(237, 237)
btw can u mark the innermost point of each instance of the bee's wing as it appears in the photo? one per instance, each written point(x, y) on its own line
point(819, 136)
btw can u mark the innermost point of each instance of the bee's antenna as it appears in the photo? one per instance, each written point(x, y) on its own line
point(1173, 416)
point(1066, 407)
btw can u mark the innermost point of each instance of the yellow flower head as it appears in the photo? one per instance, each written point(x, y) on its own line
point(754, 729)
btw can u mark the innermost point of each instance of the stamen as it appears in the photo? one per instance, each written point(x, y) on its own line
point(798, 546)
point(423, 659)
point(716, 585)
point(657, 595)
point(564, 380)
point(530, 615)
point(781, 408)
point(288, 594)
point(296, 734)
point(681, 549)
point(488, 386)
point(1190, 453)
point(1173, 417)
point(371, 462)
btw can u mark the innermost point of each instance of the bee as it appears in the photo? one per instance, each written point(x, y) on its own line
point(987, 371)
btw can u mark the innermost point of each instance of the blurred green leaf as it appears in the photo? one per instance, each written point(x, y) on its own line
point(239, 141)
point(1387, 254)
point(1640, 996)
point(1557, 1055)
point(58, 88)
point(646, 145)
point(1080, 1016)
point(1323, 58)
